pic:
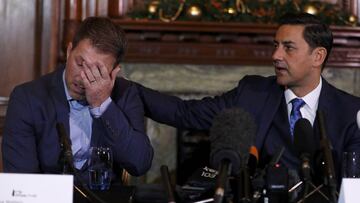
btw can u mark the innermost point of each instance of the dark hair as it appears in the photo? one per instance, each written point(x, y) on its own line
point(316, 33)
point(103, 34)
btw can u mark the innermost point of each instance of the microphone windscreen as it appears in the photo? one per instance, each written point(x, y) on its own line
point(304, 141)
point(233, 132)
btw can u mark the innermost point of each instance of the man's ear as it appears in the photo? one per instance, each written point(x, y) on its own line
point(114, 73)
point(320, 54)
point(68, 50)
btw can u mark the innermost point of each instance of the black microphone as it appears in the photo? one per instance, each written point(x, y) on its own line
point(304, 145)
point(231, 136)
point(326, 147)
point(66, 156)
point(167, 184)
point(68, 165)
point(253, 160)
point(305, 148)
point(244, 190)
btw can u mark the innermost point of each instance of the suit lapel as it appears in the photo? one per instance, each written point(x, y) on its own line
point(325, 105)
point(270, 107)
point(58, 97)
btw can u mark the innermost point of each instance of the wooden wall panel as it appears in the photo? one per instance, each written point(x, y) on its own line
point(94, 8)
point(50, 35)
point(17, 20)
point(29, 40)
point(29, 43)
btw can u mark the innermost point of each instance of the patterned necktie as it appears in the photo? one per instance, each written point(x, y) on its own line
point(295, 113)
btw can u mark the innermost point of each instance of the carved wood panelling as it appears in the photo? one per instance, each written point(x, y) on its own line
point(221, 43)
point(205, 42)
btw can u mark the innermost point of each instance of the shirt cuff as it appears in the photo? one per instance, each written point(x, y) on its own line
point(98, 111)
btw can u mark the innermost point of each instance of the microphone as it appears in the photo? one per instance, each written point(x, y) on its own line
point(68, 164)
point(253, 160)
point(326, 147)
point(305, 147)
point(167, 184)
point(231, 136)
point(66, 155)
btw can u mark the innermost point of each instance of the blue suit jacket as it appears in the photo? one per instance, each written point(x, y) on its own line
point(261, 97)
point(31, 142)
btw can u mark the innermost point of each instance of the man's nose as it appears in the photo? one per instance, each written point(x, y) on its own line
point(277, 54)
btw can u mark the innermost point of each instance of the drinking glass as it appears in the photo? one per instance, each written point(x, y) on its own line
point(351, 165)
point(100, 168)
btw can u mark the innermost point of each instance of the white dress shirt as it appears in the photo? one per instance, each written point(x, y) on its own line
point(311, 100)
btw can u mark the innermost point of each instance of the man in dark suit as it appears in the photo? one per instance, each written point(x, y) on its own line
point(96, 107)
point(301, 47)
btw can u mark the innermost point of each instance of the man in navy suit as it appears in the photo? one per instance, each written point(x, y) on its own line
point(96, 107)
point(301, 47)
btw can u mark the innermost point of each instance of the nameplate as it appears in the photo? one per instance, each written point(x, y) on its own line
point(349, 191)
point(35, 188)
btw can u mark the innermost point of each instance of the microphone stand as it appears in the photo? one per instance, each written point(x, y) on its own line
point(316, 189)
point(164, 170)
point(243, 186)
point(222, 180)
point(325, 144)
point(307, 177)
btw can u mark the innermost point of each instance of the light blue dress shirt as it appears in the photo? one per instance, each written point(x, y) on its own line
point(80, 123)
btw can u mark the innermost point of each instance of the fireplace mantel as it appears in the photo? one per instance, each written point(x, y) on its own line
point(221, 43)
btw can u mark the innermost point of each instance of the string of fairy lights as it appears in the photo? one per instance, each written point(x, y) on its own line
point(261, 11)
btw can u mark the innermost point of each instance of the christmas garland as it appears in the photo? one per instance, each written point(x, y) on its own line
point(251, 11)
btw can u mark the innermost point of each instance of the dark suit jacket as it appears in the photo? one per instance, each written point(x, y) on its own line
point(261, 97)
point(31, 142)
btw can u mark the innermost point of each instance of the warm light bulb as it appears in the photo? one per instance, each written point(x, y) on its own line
point(311, 9)
point(194, 11)
point(231, 11)
point(153, 6)
point(152, 9)
point(352, 19)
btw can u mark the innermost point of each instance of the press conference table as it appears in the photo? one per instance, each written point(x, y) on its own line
point(149, 193)
point(116, 194)
point(152, 193)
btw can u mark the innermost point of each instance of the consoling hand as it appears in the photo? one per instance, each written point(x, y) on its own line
point(98, 82)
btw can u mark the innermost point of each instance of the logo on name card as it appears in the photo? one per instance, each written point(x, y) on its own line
point(19, 193)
